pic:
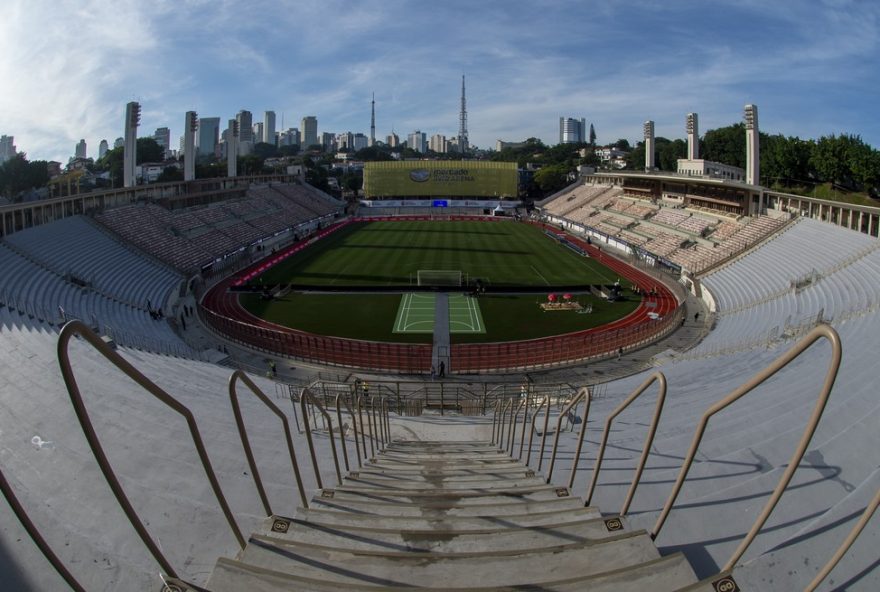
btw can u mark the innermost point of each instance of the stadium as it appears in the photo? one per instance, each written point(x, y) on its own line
point(310, 386)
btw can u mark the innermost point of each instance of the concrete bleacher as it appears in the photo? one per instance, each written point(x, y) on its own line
point(76, 246)
point(189, 239)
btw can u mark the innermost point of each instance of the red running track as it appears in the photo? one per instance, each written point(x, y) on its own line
point(655, 317)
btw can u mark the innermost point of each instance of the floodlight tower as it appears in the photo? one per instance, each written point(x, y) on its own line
point(190, 125)
point(693, 133)
point(129, 150)
point(649, 145)
point(462, 122)
point(232, 149)
point(753, 150)
point(373, 120)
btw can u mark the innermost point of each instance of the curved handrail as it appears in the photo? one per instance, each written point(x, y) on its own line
point(78, 328)
point(544, 434)
point(544, 403)
point(511, 434)
point(660, 378)
point(820, 331)
point(577, 453)
point(245, 442)
point(306, 394)
point(363, 431)
point(354, 426)
point(342, 434)
point(846, 544)
point(574, 401)
point(522, 438)
point(495, 419)
point(35, 535)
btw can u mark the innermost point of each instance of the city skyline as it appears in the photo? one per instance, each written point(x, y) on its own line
point(812, 67)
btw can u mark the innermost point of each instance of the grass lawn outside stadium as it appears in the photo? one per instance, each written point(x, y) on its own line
point(379, 255)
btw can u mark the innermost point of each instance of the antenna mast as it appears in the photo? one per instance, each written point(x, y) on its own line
point(462, 122)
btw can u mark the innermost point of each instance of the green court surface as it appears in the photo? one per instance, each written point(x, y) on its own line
point(416, 314)
point(464, 315)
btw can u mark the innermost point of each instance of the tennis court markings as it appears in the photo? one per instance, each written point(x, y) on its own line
point(416, 314)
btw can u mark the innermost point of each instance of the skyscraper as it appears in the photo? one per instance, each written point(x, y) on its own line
point(162, 135)
point(209, 137)
point(269, 127)
point(438, 143)
point(103, 147)
point(232, 149)
point(245, 132)
point(258, 132)
point(7, 147)
point(80, 149)
point(417, 141)
point(119, 143)
point(572, 131)
point(309, 131)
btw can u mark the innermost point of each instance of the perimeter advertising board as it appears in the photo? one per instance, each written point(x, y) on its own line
point(440, 178)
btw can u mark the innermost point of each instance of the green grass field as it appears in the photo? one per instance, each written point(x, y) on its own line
point(388, 253)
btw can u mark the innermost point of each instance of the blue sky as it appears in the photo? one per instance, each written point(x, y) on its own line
point(67, 68)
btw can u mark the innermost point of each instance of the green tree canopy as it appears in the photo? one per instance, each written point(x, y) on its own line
point(18, 174)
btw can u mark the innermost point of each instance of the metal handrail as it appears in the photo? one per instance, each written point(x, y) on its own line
point(577, 452)
point(357, 446)
point(820, 331)
point(502, 423)
point(372, 427)
point(245, 442)
point(78, 328)
point(306, 394)
point(386, 409)
point(35, 535)
point(544, 433)
point(522, 437)
point(379, 428)
point(544, 403)
point(342, 433)
point(568, 407)
point(363, 431)
point(495, 419)
point(660, 378)
point(846, 544)
point(511, 434)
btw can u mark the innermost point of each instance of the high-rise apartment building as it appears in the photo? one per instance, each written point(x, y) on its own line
point(246, 132)
point(103, 148)
point(258, 133)
point(572, 131)
point(269, 127)
point(162, 135)
point(328, 142)
point(80, 151)
point(438, 143)
point(289, 137)
point(417, 141)
point(208, 137)
point(393, 140)
point(119, 143)
point(7, 147)
point(359, 142)
point(309, 131)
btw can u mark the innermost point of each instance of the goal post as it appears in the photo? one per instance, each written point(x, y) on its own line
point(439, 277)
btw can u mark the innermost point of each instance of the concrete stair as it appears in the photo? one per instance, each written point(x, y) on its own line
point(448, 516)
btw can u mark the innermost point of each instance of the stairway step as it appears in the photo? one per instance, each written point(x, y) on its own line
point(436, 539)
point(462, 475)
point(451, 496)
point(453, 569)
point(482, 455)
point(439, 484)
point(439, 465)
point(435, 509)
point(659, 575)
point(450, 521)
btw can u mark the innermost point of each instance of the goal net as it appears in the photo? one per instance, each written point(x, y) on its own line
point(438, 277)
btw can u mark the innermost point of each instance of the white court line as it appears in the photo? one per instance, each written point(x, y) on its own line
point(539, 273)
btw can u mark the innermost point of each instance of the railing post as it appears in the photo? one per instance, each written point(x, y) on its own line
point(782, 361)
point(562, 413)
point(577, 453)
point(660, 378)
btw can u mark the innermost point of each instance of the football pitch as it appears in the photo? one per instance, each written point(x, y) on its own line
point(355, 283)
point(392, 253)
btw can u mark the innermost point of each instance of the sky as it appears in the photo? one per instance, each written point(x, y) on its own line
point(68, 67)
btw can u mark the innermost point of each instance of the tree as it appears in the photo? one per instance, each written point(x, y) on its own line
point(170, 174)
point(726, 145)
point(265, 150)
point(668, 153)
point(621, 144)
point(552, 178)
point(18, 174)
